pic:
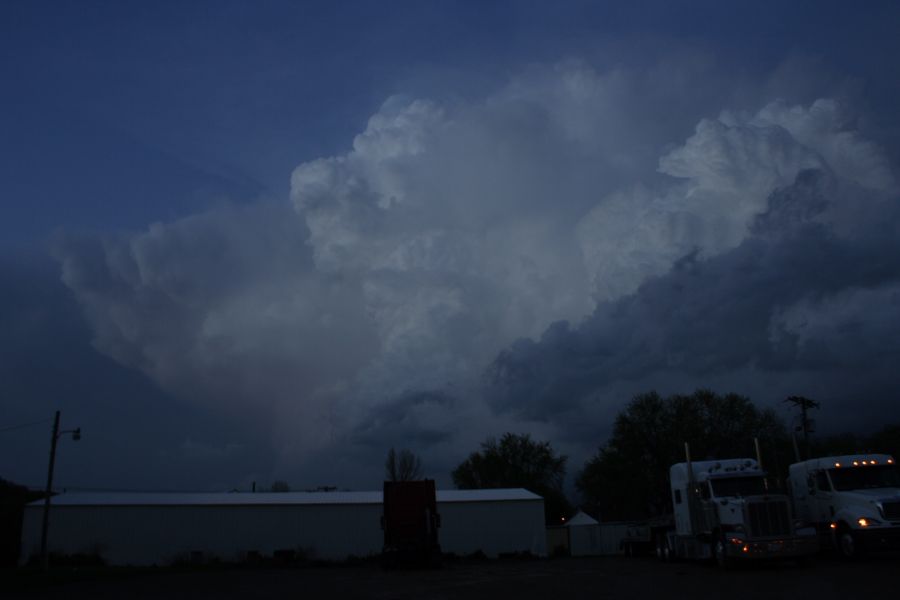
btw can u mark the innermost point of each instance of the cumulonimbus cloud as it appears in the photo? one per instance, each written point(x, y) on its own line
point(452, 229)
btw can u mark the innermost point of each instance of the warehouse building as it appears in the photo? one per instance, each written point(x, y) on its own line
point(161, 528)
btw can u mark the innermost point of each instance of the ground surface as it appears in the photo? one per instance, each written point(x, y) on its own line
point(595, 578)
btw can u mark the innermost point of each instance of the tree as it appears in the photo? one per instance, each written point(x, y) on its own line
point(518, 461)
point(402, 466)
point(628, 477)
point(883, 441)
point(280, 486)
point(13, 498)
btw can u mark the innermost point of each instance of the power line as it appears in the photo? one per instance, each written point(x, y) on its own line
point(24, 425)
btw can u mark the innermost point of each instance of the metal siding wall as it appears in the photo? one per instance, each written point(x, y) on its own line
point(145, 535)
point(493, 527)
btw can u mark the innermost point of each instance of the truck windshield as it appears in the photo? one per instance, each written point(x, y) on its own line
point(865, 478)
point(739, 486)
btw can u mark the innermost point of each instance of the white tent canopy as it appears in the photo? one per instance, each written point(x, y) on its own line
point(581, 518)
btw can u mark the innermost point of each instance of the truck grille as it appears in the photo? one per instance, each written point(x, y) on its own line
point(769, 518)
point(891, 510)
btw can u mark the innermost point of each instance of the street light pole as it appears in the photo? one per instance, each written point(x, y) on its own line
point(76, 435)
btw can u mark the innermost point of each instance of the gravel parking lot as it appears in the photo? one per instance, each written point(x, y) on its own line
point(619, 578)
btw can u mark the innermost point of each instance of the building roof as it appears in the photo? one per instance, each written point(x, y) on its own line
point(269, 498)
point(581, 518)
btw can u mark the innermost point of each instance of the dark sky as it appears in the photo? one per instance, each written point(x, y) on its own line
point(247, 241)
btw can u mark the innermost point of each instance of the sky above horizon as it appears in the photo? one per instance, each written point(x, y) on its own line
point(258, 241)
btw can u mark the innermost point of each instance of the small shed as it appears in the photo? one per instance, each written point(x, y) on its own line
point(161, 528)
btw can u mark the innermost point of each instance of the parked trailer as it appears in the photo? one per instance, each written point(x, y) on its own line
point(853, 500)
point(410, 521)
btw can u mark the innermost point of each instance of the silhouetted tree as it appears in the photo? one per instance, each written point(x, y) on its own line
point(886, 440)
point(13, 499)
point(628, 477)
point(280, 486)
point(518, 461)
point(883, 441)
point(402, 466)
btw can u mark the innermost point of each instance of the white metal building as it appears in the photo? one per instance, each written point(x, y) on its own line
point(158, 528)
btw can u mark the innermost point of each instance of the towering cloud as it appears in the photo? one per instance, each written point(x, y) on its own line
point(759, 247)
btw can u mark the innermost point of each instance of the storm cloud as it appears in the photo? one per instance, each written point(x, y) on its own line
point(521, 261)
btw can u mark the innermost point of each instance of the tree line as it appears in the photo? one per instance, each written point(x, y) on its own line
point(627, 478)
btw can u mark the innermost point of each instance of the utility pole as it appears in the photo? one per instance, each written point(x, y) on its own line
point(805, 404)
point(76, 435)
point(45, 558)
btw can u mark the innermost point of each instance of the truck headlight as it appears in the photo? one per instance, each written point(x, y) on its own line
point(866, 522)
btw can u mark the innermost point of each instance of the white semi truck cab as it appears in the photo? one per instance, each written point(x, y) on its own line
point(724, 509)
point(854, 500)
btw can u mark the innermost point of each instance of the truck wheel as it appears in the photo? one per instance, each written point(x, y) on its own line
point(847, 544)
point(720, 554)
point(663, 551)
point(669, 550)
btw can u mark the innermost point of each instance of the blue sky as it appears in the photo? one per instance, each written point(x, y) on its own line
point(200, 236)
point(208, 100)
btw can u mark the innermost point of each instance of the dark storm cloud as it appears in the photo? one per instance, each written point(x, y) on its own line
point(417, 420)
point(800, 295)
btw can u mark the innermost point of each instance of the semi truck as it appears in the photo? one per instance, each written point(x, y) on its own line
point(410, 521)
point(724, 510)
point(853, 500)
